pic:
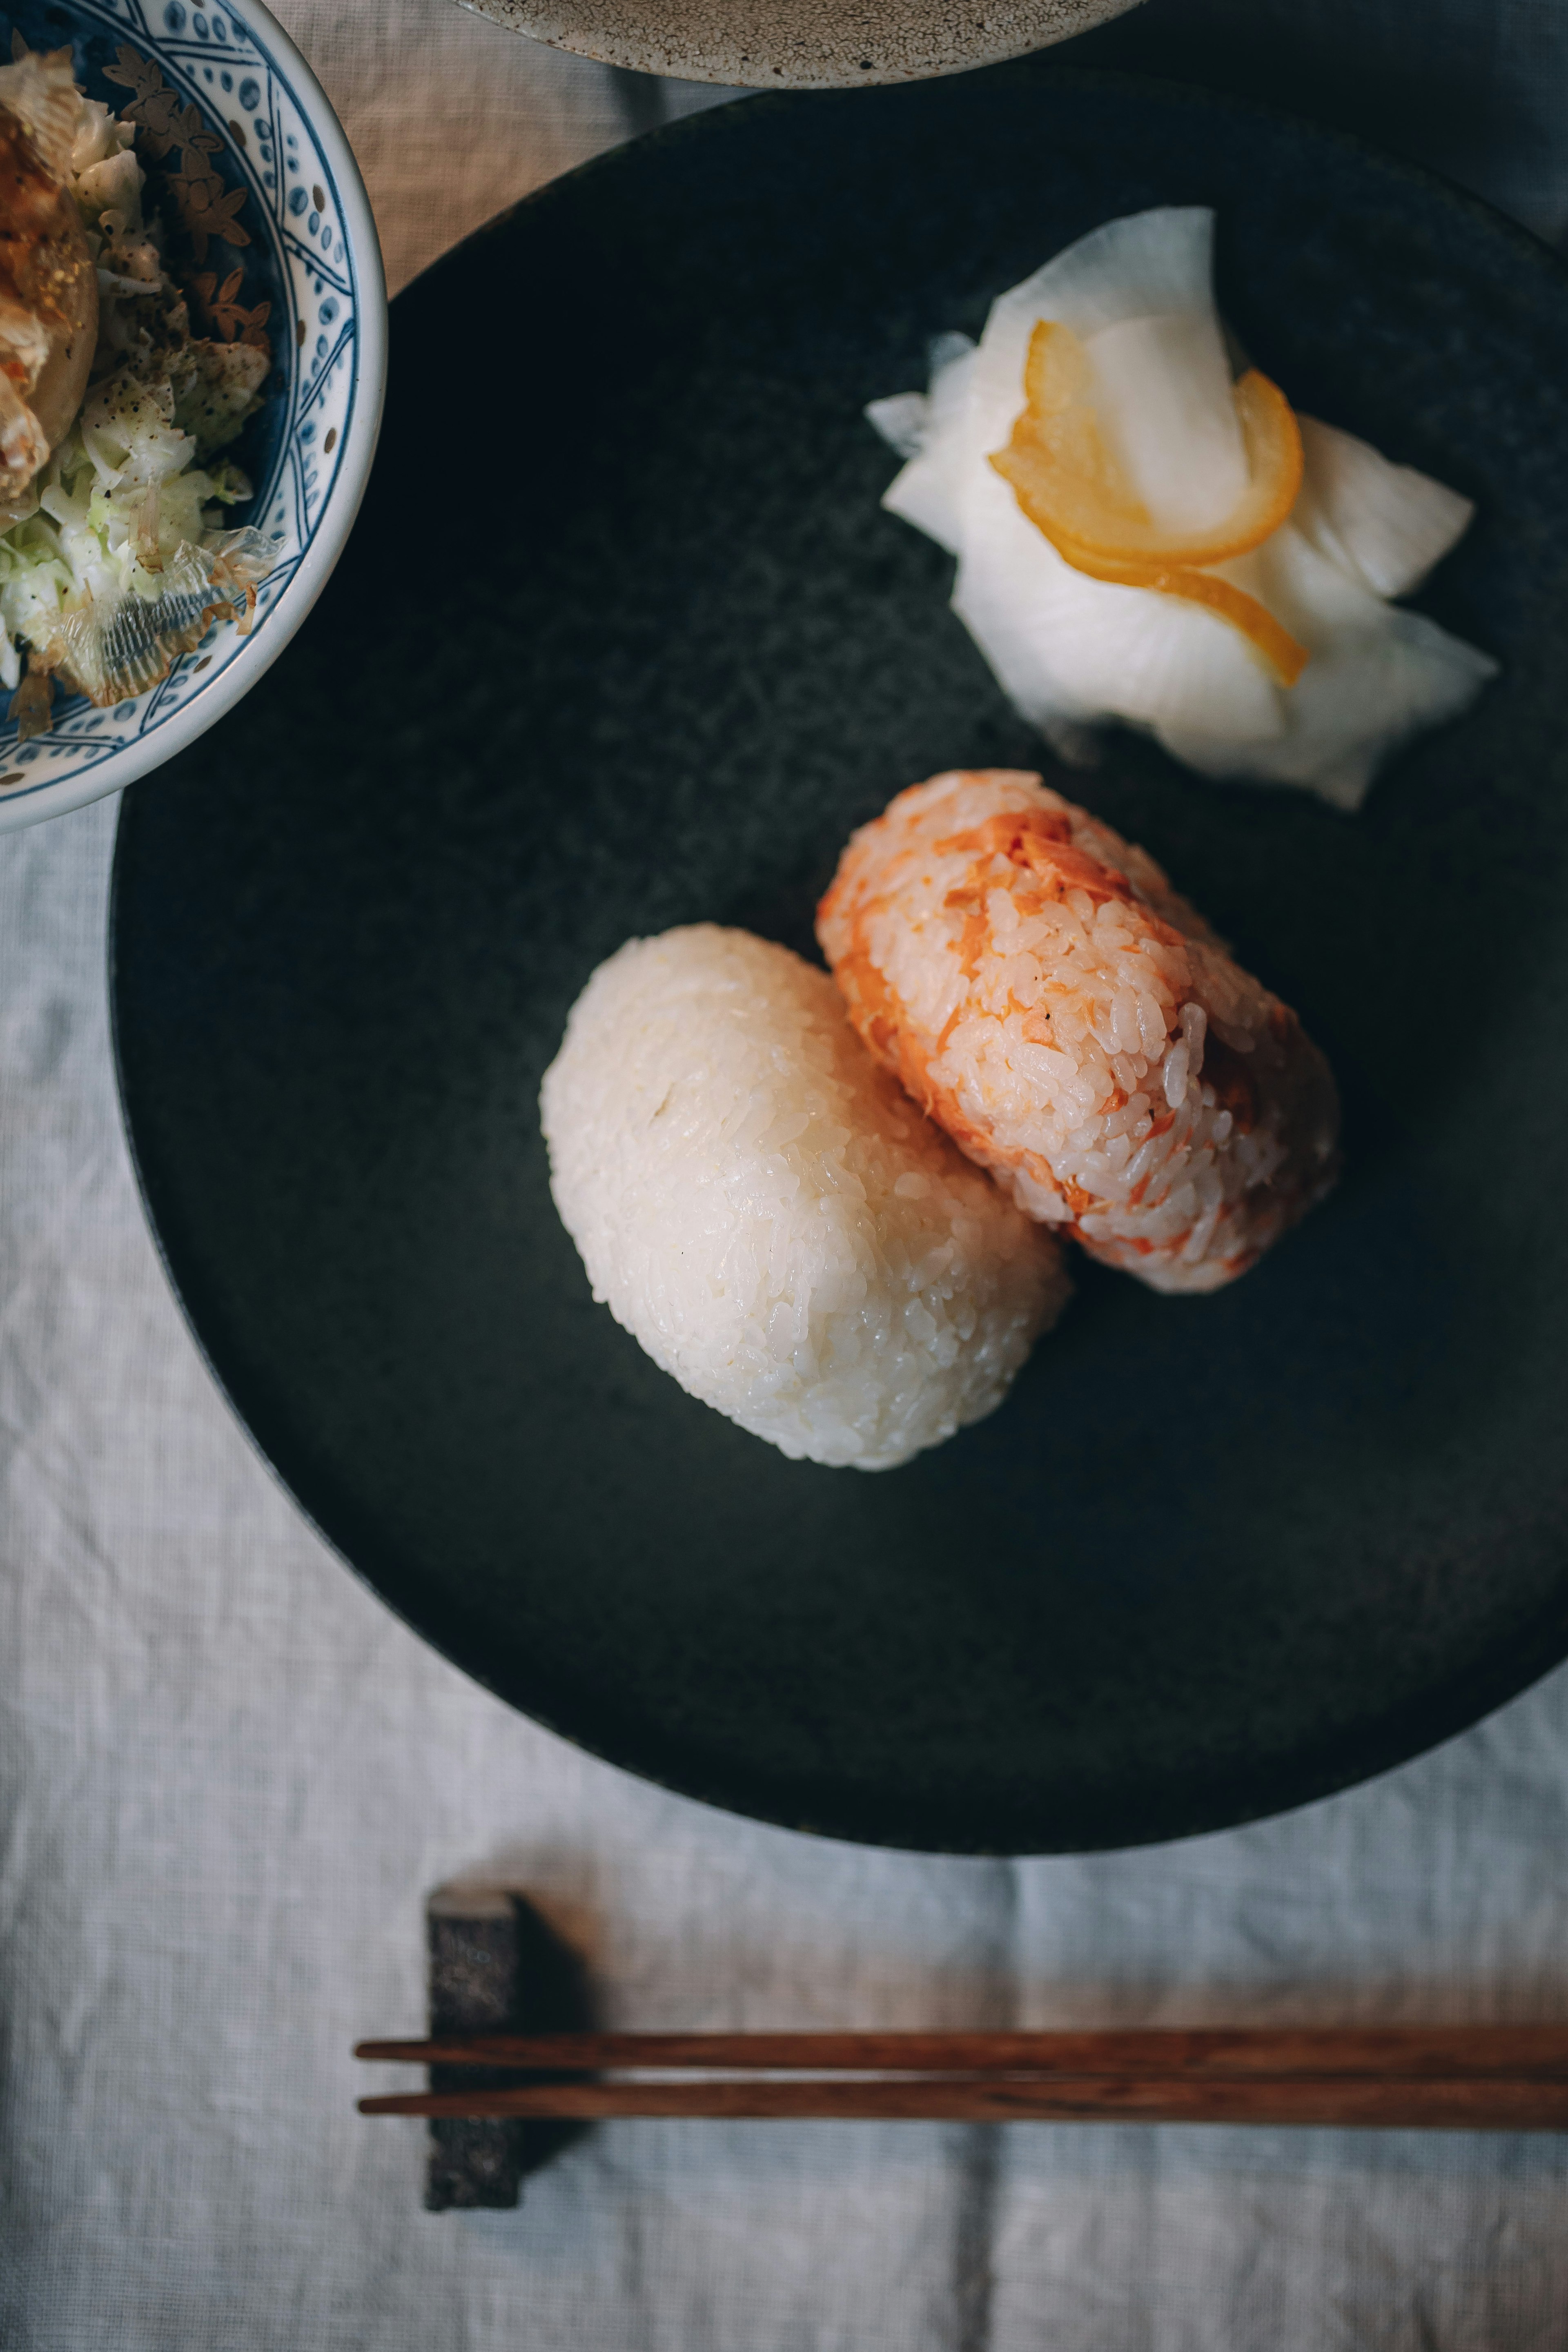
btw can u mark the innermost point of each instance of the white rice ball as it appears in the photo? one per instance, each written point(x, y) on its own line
point(765, 1211)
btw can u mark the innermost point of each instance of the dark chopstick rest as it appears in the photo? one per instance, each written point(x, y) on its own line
point(494, 1968)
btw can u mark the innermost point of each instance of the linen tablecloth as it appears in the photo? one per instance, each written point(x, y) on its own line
point(230, 1778)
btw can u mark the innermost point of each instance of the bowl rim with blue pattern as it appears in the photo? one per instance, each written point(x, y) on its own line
point(224, 90)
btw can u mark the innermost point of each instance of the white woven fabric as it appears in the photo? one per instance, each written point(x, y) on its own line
point(230, 1779)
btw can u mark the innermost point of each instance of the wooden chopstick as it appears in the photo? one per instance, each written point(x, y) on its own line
point(1478, 2103)
point(1466, 2078)
point(1400, 2053)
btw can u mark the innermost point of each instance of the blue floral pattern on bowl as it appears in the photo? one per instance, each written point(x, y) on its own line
point(261, 184)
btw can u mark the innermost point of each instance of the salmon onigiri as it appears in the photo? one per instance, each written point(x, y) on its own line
point(1047, 998)
point(761, 1205)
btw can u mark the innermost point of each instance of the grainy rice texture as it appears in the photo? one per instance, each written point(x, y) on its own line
point(1076, 1026)
point(763, 1208)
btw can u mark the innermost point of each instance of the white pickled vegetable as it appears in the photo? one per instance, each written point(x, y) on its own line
point(1386, 524)
point(1378, 675)
point(927, 491)
point(1072, 651)
point(1090, 648)
point(1163, 387)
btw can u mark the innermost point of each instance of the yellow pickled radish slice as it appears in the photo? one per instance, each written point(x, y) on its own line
point(1057, 452)
point(1070, 484)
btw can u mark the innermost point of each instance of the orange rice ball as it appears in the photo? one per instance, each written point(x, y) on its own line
point(1076, 1026)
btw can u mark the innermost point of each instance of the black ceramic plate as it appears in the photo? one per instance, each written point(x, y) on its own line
point(623, 640)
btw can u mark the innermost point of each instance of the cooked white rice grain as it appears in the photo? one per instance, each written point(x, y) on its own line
point(1077, 1027)
point(765, 1211)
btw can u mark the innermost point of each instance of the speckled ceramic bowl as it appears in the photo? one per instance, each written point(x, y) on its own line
point(276, 217)
point(800, 43)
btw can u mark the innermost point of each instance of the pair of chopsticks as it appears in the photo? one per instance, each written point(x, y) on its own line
point(1470, 2078)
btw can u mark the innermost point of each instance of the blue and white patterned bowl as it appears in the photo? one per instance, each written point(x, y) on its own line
point(270, 199)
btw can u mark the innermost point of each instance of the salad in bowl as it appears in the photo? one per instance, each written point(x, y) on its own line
point(192, 350)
